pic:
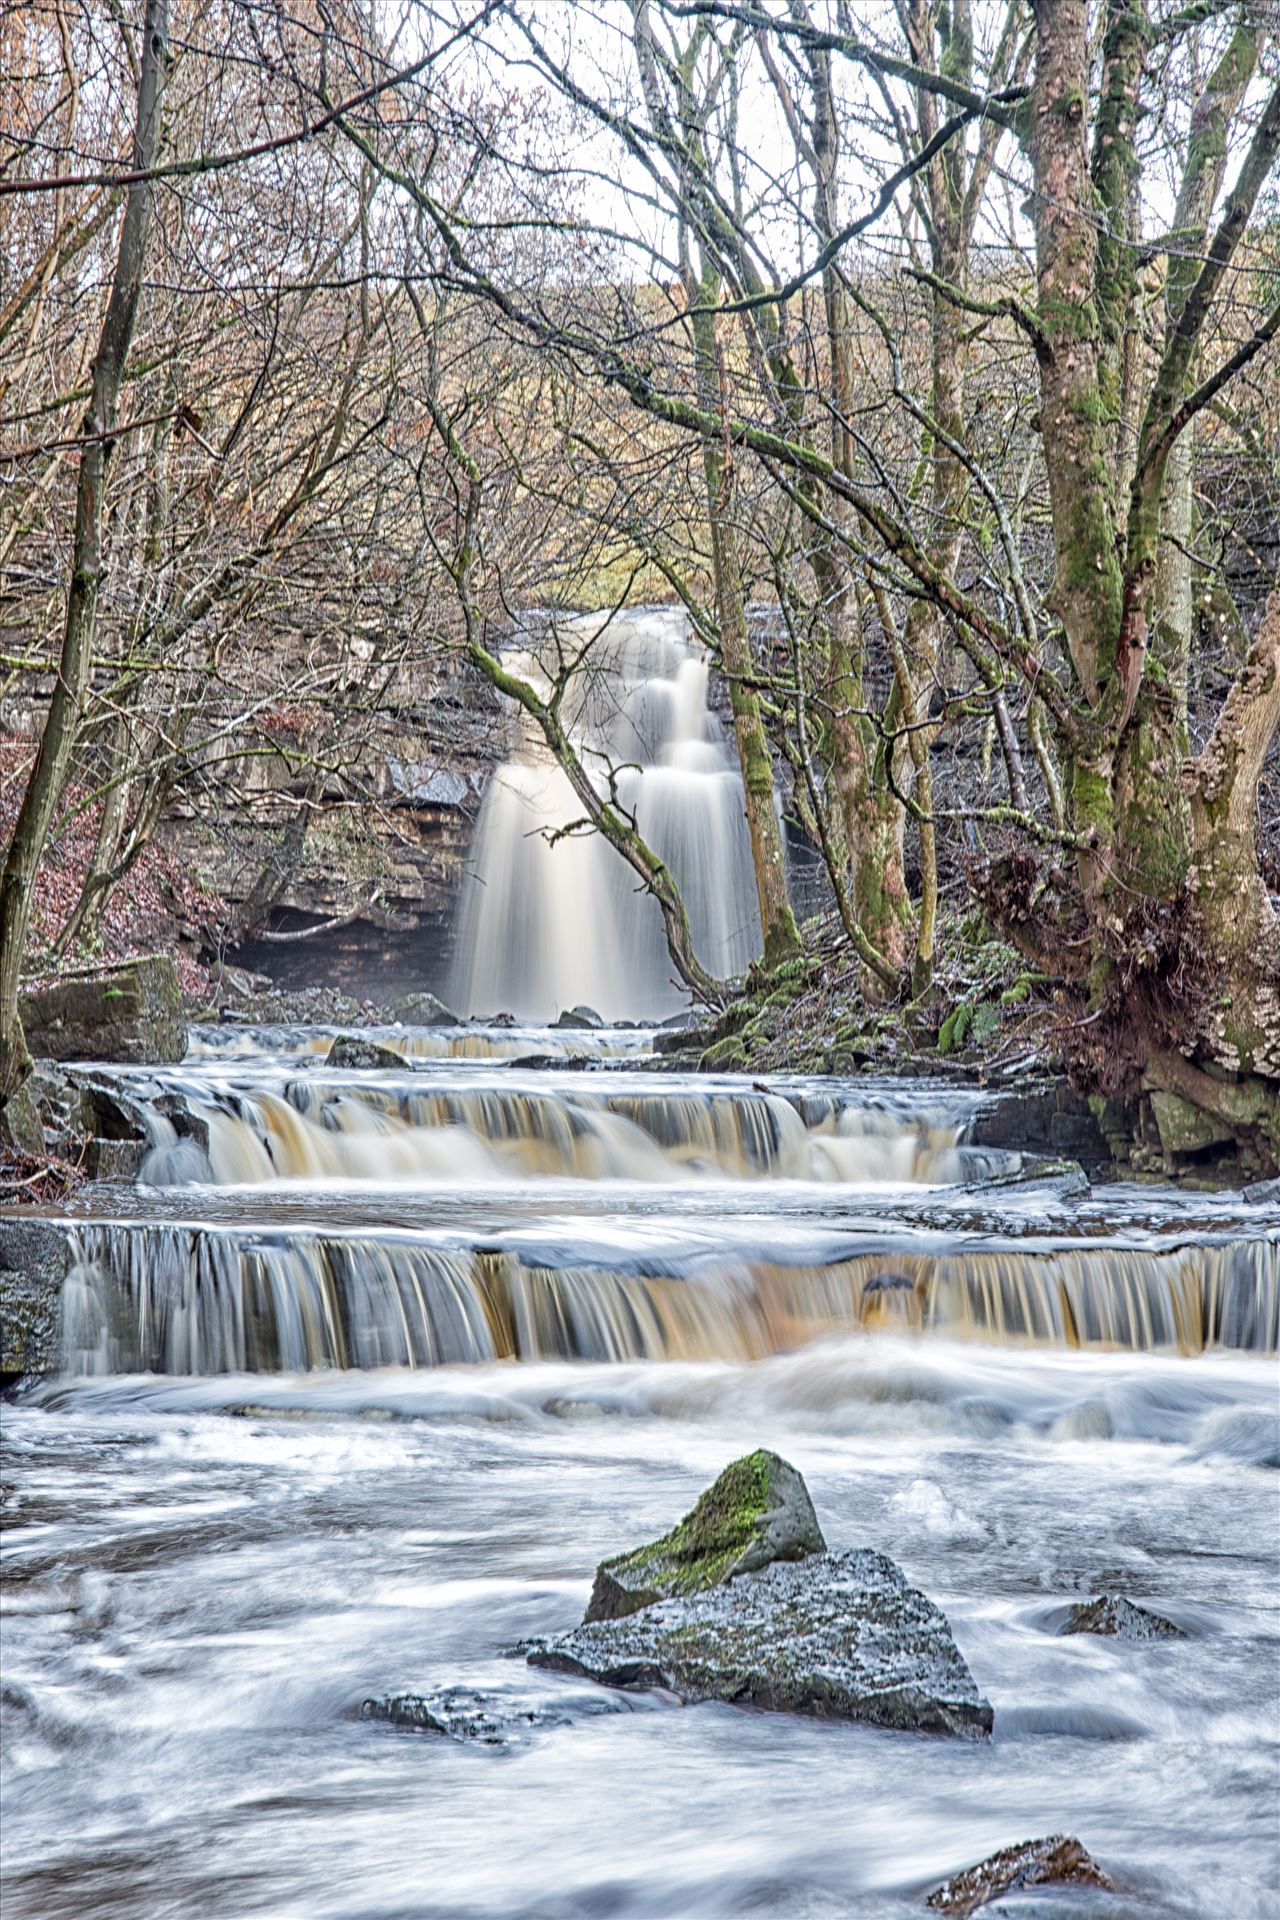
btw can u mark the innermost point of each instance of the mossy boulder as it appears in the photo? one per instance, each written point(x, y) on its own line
point(131, 1014)
point(758, 1511)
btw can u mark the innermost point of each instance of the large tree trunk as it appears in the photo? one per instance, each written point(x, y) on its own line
point(1236, 913)
point(48, 774)
point(777, 922)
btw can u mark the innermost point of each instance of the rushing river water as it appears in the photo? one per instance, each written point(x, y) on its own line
point(356, 1402)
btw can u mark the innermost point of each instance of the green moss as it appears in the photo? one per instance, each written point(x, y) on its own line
point(700, 1551)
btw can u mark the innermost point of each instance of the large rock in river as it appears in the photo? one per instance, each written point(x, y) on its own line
point(355, 1050)
point(131, 1013)
point(758, 1511)
point(839, 1636)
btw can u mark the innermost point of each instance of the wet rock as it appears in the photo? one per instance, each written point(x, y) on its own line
point(1044, 1118)
point(35, 1259)
point(422, 1010)
point(684, 1038)
point(461, 1713)
point(1263, 1193)
point(352, 1050)
point(454, 1714)
point(131, 1013)
point(583, 1018)
point(1056, 1861)
point(186, 1124)
point(1119, 1619)
point(758, 1511)
point(114, 1124)
point(21, 1126)
point(839, 1636)
point(997, 1168)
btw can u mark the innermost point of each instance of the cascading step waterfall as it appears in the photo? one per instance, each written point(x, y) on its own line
point(710, 1220)
point(194, 1299)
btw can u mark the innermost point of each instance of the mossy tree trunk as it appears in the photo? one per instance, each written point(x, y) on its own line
point(780, 935)
point(1167, 860)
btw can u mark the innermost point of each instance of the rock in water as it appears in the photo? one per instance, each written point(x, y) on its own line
point(130, 1013)
point(581, 1017)
point(758, 1511)
point(1119, 1619)
point(422, 1010)
point(353, 1050)
point(840, 1636)
point(1056, 1861)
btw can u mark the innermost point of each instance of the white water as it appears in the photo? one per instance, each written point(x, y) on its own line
point(1023, 1395)
point(550, 915)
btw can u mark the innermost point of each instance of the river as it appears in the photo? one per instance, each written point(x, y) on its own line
point(356, 1402)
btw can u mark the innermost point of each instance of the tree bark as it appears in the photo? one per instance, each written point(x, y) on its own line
point(48, 773)
point(777, 922)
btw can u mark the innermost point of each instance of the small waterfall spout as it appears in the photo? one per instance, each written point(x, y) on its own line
point(550, 915)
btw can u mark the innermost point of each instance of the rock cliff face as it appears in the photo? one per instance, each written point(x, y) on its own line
point(367, 893)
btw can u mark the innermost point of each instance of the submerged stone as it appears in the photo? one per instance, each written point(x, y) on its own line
point(758, 1511)
point(493, 1719)
point(455, 1714)
point(1055, 1861)
point(839, 1636)
point(353, 1050)
point(1119, 1619)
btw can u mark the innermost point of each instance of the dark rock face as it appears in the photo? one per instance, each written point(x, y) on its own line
point(131, 1013)
point(1056, 1861)
point(35, 1259)
point(1046, 1119)
point(1119, 1619)
point(113, 1123)
point(839, 1636)
point(758, 1511)
point(352, 1050)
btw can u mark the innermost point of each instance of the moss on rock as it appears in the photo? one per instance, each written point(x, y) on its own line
point(758, 1511)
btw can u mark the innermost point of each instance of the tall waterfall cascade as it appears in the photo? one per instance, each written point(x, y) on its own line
point(550, 915)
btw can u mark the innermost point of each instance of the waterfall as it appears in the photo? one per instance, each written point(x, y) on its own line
point(550, 915)
point(199, 1299)
point(321, 1128)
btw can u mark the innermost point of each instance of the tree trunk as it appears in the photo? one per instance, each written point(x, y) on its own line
point(777, 922)
point(48, 774)
point(1226, 884)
